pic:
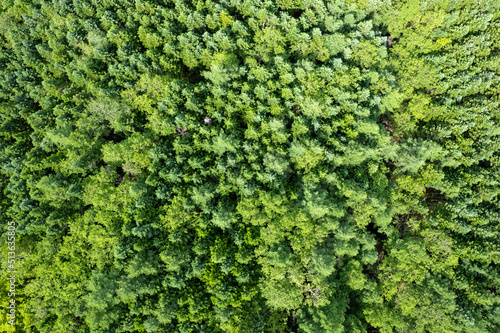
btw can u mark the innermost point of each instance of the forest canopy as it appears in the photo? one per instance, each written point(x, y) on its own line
point(250, 166)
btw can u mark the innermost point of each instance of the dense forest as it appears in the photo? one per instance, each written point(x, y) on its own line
point(249, 166)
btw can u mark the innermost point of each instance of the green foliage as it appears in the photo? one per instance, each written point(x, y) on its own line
point(251, 166)
point(440, 198)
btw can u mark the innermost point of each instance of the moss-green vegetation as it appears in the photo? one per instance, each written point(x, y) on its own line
point(251, 166)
